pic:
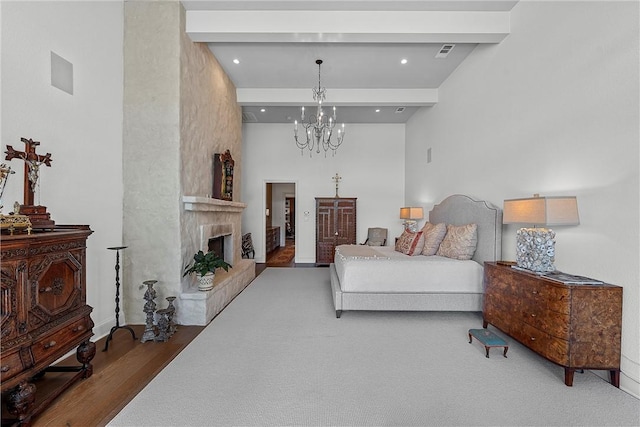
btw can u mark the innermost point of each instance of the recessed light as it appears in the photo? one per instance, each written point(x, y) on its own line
point(403, 61)
point(377, 110)
point(236, 61)
point(262, 110)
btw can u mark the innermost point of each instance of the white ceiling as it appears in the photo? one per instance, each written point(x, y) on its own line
point(361, 43)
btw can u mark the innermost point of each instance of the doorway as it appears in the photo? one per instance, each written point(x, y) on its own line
point(280, 223)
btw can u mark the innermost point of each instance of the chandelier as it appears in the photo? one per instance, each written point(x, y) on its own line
point(318, 128)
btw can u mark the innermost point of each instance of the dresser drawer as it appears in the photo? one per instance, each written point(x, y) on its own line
point(542, 294)
point(10, 365)
point(551, 322)
point(554, 349)
point(52, 344)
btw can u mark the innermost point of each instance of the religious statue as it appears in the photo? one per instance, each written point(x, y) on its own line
point(38, 215)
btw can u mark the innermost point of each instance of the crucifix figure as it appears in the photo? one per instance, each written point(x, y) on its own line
point(337, 179)
point(32, 162)
point(38, 215)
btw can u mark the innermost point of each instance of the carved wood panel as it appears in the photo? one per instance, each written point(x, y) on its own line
point(335, 225)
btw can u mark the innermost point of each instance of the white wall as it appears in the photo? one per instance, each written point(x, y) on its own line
point(553, 109)
point(370, 162)
point(83, 131)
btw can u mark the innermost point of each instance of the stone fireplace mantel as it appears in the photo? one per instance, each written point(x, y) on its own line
point(207, 204)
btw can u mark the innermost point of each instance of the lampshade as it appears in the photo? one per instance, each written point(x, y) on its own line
point(545, 211)
point(411, 213)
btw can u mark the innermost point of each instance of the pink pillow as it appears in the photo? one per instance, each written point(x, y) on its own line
point(433, 235)
point(410, 243)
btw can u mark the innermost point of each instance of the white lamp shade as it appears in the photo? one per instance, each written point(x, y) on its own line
point(546, 211)
point(411, 213)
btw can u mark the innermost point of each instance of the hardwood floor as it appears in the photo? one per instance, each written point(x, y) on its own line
point(118, 375)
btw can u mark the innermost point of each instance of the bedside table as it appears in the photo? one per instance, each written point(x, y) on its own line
point(574, 326)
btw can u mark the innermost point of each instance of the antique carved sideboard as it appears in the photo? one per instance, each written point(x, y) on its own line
point(44, 313)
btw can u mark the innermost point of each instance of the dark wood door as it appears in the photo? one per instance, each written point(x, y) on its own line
point(335, 225)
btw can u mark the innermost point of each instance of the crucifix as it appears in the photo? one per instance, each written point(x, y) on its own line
point(337, 179)
point(38, 214)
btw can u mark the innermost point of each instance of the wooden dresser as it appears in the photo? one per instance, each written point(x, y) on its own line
point(575, 326)
point(44, 313)
point(335, 225)
point(272, 239)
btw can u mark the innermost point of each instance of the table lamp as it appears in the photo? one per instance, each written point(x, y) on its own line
point(535, 249)
point(410, 215)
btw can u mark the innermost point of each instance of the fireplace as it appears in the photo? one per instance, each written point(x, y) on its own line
point(217, 223)
point(216, 245)
point(219, 238)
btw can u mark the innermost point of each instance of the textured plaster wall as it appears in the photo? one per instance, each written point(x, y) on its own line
point(554, 110)
point(180, 108)
point(210, 122)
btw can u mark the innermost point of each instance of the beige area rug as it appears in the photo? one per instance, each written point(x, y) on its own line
point(278, 356)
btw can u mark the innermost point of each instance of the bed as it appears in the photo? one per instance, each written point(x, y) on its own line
point(380, 278)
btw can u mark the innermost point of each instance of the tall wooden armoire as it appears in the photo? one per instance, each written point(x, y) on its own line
point(335, 225)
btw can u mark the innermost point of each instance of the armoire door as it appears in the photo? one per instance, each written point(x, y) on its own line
point(335, 225)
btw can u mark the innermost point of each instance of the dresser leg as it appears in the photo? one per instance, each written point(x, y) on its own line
point(568, 376)
point(614, 374)
point(85, 353)
point(20, 402)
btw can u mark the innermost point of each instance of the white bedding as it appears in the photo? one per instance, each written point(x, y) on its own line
point(381, 269)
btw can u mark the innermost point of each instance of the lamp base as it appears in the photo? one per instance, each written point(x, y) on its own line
point(536, 249)
point(411, 225)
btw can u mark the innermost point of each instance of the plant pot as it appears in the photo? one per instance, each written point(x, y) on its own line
point(205, 283)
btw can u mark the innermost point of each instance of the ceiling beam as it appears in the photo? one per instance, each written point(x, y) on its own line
point(301, 26)
point(338, 97)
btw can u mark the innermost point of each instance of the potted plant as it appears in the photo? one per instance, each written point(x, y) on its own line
point(205, 266)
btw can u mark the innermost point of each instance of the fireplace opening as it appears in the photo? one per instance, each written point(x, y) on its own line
point(216, 244)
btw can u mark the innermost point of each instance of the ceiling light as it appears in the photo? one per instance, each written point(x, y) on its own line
point(403, 61)
point(236, 61)
point(319, 128)
point(377, 110)
point(262, 110)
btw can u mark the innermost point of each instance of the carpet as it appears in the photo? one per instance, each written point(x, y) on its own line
point(277, 355)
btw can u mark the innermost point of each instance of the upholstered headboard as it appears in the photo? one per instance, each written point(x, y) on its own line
point(460, 210)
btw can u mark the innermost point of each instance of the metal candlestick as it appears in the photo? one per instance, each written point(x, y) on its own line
point(171, 314)
point(149, 308)
point(115, 328)
point(163, 325)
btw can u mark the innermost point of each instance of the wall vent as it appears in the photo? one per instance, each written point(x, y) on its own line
point(400, 110)
point(445, 50)
point(249, 117)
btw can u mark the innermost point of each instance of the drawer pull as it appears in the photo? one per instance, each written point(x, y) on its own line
point(50, 344)
point(533, 315)
point(534, 292)
point(45, 290)
point(5, 368)
point(78, 328)
point(533, 338)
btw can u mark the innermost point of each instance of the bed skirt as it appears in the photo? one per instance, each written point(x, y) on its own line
point(388, 301)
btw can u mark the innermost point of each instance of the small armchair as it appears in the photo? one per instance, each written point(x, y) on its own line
point(376, 236)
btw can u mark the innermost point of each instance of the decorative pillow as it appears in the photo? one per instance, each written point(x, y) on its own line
point(433, 235)
point(410, 243)
point(459, 242)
